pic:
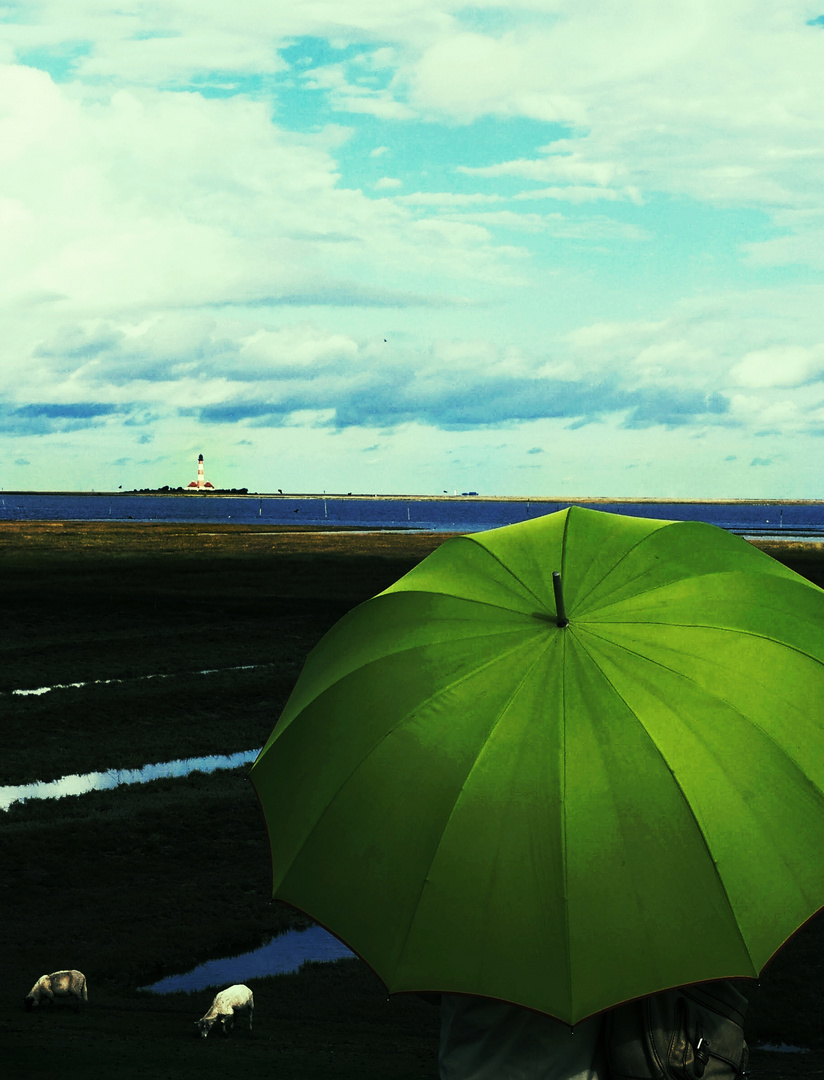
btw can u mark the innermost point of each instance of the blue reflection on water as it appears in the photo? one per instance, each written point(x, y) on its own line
point(112, 778)
point(783, 1048)
point(280, 956)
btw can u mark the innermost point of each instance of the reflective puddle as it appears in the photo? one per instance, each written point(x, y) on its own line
point(100, 781)
point(38, 691)
point(784, 1048)
point(281, 956)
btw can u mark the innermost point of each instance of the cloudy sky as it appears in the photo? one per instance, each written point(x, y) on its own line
point(546, 247)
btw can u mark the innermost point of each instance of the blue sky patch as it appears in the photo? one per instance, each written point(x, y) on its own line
point(58, 62)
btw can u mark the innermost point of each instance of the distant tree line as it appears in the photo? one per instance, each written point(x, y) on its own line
point(166, 490)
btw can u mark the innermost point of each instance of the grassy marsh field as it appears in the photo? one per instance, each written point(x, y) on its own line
point(148, 880)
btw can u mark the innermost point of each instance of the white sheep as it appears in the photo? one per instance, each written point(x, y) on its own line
point(235, 1000)
point(59, 984)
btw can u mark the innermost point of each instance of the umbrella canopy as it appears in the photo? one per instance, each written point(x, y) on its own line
point(477, 799)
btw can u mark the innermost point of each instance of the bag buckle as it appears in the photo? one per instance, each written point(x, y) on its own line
point(702, 1056)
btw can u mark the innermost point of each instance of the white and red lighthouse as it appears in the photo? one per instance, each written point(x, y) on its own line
point(201, 484)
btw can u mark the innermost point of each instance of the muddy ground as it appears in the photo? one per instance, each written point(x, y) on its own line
point(149, 880)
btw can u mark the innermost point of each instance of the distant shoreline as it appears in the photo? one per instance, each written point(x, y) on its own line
point(571, 499)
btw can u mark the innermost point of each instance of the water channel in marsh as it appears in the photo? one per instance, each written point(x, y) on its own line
point(280, 956)
point(79, 784)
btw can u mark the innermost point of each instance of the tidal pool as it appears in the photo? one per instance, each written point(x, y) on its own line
point(280, 956)
point(783, 1048)
point(79, 784)
point(38, 691)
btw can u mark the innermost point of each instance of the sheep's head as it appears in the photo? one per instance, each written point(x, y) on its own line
point(29, 1002)
point(204, 1026)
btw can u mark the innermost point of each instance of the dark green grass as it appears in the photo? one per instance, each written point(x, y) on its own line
point(153, 879)
point(83, 601)
point(87, 603)
point(326, 1021)
point(137, 883)
point(150, 880)
point(129, 724)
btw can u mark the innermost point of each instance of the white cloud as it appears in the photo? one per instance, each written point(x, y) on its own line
point(178, 57)
point(355, 97)
point(448, 199)
point(157, 199)
point(576, 193)
point(592, 228)
point(680, 371)
point(802, 242)
point(720, 102)
point(303, 348)
point(554, 166)
point(780, 366)
point(468, 75)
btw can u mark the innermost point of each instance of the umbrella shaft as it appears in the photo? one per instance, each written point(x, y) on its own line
point(559, 599)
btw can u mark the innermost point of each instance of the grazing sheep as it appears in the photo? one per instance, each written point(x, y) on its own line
point(233, 1001)
point(58, 984)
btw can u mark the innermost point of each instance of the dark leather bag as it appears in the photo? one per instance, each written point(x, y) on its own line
point(689, 1033)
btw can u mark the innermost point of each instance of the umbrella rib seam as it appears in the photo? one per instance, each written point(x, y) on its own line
point(528, 624)
point(475, 600)
point(681, 792)
point(817, 793)
point(702, 626)
point(388, 734)
point(508, 570)
point(579, 600)
point(501, 713)
point(563, 810)
point(605, 603)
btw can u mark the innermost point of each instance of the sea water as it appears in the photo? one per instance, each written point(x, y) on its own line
point(804, 519)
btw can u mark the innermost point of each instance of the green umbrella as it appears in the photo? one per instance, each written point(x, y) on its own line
point(477, 797)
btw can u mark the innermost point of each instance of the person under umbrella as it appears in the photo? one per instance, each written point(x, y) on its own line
point(562, 764)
